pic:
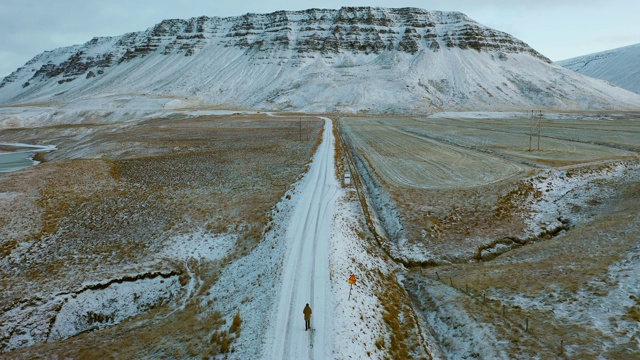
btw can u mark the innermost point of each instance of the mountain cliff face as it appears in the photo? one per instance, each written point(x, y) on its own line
point(617, 66)
point(352, 59)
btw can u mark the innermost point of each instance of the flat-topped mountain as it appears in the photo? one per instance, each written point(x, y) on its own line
point(347, 60)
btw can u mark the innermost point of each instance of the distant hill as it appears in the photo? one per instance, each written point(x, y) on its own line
point(348, 60)
point(620, 67)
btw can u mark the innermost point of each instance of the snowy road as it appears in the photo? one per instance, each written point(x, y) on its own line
point(305, 272)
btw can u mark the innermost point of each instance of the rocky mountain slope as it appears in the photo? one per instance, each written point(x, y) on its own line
point(347, 60)
point(618, 66)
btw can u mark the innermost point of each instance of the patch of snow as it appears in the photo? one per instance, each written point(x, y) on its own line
point(358, 322)
point(602, 311)
point(10, 195)
point(61, 316)
point(93, 309)
point(559, 191)
point(459, 335)
point(199, 244)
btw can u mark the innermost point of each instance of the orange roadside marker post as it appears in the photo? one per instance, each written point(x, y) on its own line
point(352, 281)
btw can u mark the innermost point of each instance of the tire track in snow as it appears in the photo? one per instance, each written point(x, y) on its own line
point(301, 233)
point(305, 273)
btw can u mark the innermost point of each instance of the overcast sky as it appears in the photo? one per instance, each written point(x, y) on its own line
point(559, 29)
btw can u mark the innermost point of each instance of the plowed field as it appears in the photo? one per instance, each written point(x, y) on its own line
point(446, 153)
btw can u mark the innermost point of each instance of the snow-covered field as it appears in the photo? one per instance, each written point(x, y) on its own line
point(189, 266)
point(475, 149)
point(140, 222)
point(404, 157)
point(538, 266)
point(204, 233)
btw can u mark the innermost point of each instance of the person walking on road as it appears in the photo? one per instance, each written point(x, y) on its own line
point(307, 317)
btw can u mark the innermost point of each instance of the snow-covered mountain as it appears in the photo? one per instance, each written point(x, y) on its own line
point(618, 66)
point(347, 60)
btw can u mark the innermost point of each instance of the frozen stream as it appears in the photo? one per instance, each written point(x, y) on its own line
point(22, 157)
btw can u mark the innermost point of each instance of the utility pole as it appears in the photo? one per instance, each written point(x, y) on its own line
point(539, 125)
point(300, 128)
point(531, 130)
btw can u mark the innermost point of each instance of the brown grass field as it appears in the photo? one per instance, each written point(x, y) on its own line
point(114, 196)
